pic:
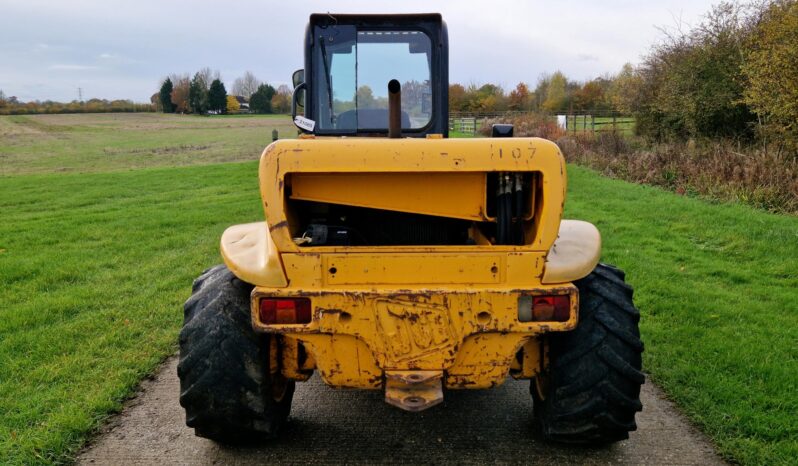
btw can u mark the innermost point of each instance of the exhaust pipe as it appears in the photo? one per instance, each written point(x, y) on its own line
point(394, 109)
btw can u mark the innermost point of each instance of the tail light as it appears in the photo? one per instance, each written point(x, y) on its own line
point(545, 308)
point(285, 311)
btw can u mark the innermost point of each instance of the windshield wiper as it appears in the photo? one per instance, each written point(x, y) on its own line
point(328, 79)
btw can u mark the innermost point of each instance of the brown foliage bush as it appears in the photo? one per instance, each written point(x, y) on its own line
point(717, 169)
point(720, 170)
point(526, 125)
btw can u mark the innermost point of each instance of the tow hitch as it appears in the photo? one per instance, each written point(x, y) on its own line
point(413, 390)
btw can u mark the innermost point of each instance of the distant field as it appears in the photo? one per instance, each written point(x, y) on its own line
point(94, 268)
point(121, 141)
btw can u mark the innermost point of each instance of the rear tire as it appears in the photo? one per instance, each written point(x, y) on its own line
point(591, 390)
point(226, 386)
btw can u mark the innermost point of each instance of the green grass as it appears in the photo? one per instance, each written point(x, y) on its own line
point(460, 134)
point(94, 268)
point(718, 289)
point(107, 142)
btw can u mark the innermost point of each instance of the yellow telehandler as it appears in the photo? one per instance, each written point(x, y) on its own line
point(395, 258)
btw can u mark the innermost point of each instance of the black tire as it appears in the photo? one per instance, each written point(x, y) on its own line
point(225, 384)
point(591, 390)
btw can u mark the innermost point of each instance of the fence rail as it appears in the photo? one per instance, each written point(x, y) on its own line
point(576, 122)
point(596, 123)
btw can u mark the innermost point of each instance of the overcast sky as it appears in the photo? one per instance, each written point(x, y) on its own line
point(121, 50)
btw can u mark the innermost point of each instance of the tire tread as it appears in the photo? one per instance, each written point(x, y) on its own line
point(595, 371)
point(225, 385)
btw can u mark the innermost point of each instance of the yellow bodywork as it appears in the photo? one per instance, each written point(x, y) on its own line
point(456, 195)
point(408, 158)
point(386, 315)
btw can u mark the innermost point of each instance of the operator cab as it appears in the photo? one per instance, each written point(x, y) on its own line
point(349, 61)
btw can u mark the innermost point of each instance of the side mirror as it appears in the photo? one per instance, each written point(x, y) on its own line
point(298, 77)
point(298, 100)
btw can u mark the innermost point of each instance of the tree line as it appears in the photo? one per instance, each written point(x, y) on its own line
point(734, 75)
point(553, 93)
point(206, 93)
point(11, 105)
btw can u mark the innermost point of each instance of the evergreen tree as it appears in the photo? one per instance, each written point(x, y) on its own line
point(198, 95)
point(165, 96)
point(261, 100)
point(217, 97)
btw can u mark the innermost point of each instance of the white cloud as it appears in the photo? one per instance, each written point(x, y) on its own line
point(71, 67)
point(116, 49)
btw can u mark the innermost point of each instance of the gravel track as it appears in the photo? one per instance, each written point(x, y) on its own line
point(330, 426)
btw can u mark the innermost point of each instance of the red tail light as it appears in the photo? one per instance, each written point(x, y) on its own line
point(285, 311)
point(549, 308)
point(556, 308)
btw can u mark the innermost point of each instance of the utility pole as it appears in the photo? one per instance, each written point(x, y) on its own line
point(80, 95)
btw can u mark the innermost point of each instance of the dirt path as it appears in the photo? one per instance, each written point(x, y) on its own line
point(341, 426)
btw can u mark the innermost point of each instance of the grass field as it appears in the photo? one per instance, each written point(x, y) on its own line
point(94, 268)
point(122, 141)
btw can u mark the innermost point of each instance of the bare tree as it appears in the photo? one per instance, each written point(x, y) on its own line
point(281, 101)
point(175, 77)
point(245, 85)
point(207, 76)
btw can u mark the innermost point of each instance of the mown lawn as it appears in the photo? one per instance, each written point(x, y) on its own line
point(94, 270)
point(717, 285)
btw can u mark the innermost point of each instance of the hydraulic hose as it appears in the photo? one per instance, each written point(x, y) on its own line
point(501, 234)
point(518, 231)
